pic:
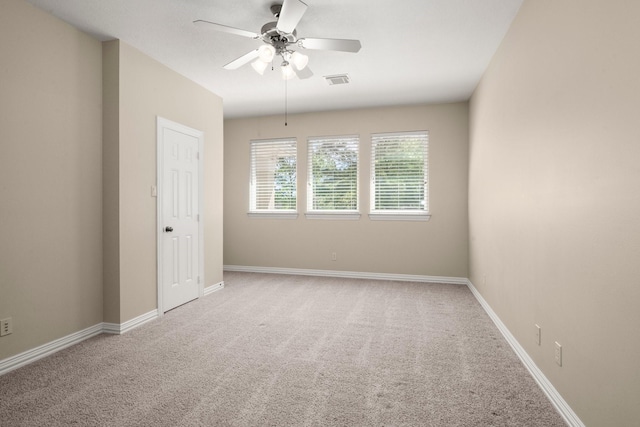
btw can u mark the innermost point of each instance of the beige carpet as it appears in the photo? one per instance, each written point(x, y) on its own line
point(273, 350)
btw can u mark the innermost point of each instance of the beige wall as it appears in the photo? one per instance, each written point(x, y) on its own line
point(110, 180)
point(553, 183)
point(78, 240)
point(50, 178)
point(147, 89)
point(555, 197)
point(438, 247)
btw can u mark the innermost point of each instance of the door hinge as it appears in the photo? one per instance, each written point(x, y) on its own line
point(198, 217)
point(198, 155)
point(198, 279)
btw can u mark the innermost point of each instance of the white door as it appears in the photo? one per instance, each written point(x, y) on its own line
point(179, 254)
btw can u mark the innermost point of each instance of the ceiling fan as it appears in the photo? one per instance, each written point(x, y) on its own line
point(280, 37)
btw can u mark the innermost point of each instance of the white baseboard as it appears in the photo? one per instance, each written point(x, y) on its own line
point(556, 399)
point(213, 288)
point(29, 356)
point(121, 328)
point(348, 274)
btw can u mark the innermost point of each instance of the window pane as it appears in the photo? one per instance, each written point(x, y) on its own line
point(399, 172)
point(333, 174)
point(273, 175)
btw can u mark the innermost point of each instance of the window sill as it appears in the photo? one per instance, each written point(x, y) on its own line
point(273, 215)
point(399, 216)
point(333, 215)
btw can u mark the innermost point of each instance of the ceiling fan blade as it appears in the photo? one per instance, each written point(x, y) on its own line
point(226, 29)
point(235, 64)
point(342, 45)
point(290, 15)
point(305, 73)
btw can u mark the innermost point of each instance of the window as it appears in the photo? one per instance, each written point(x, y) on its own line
point(333, 177)
point(273, 177)
point(399, 178)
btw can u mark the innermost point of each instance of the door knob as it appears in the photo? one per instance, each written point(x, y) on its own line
point(168, 229)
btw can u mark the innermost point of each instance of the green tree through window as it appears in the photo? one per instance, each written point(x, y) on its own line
point(285, 183)
point(273, 175)
point(333, 174)
point(399, 172)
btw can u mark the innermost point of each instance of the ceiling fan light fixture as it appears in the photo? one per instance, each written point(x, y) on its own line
point(287, 71)
point(266, 52)
point(299, 60)
point(259, 65)
point(280, 38)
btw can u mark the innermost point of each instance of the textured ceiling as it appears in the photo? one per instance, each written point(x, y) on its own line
point(413, 51)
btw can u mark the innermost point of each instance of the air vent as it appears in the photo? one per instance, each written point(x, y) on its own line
point(338, 79)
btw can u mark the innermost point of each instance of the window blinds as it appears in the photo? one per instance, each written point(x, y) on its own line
point(399, 178)
point(273, 175)
point(333, 174)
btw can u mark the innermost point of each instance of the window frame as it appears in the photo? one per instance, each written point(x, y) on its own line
point(399, 214)
point(332, 214)
point(290, 144)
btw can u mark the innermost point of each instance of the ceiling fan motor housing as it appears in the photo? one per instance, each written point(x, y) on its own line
point(279, 40)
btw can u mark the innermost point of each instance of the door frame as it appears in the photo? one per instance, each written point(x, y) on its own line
point(161, 124)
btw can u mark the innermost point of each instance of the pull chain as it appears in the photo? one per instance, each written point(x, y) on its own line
point(285, 102)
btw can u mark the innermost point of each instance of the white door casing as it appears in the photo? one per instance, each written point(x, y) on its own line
point(179, 218)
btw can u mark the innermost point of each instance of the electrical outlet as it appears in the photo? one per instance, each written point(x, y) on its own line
point(334, 256)
point(538, 335)
point(558, 354)
point(6, 326)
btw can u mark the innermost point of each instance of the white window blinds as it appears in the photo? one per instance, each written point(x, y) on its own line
point(399, 178)
point(273, 175)
point(333, 174)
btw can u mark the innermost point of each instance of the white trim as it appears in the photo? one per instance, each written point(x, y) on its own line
point(379, 216)
point(29, 356)
point(556, 399)
point(162, 123)
point(280, 148)
point(333, 215)
point(348, 274)
point(111, 328)
point(395, 215)
point(213, 288)
point(115, 328)
point(351, 142)
point(273, 215)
